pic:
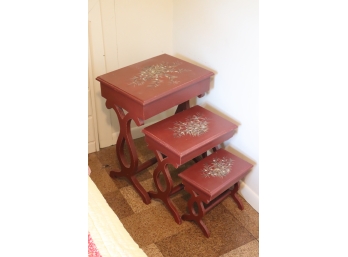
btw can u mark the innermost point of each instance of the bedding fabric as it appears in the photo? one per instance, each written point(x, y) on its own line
point(92, 249)
point(106, 230)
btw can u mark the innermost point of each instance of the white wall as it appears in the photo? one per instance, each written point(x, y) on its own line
point(144, 29)
point(222, 36)
point(124, 32)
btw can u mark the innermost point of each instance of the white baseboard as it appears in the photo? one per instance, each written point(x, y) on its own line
point(249, 195)
point(114, 137)
point(91, 147)
point(136, 132)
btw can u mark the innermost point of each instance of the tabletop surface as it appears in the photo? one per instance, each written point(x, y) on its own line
point(188, 130)
point(154, 78)
point(213, 185)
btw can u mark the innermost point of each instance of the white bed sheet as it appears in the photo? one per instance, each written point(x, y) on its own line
point(105, 228)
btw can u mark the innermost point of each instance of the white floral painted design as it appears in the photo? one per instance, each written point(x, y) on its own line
point(218, 168)
point(194, 125)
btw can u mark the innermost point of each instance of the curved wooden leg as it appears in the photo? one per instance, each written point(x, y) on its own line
point(205, 154)
point(165, 193)
point(234, 196)
point(216, 148)
point(183, 106)
point(131, 168)
point(193, 215)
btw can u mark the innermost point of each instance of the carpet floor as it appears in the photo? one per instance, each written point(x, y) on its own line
point(233, 232)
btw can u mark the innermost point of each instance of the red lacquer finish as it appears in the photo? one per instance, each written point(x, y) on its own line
point(145, 100)
point(181, 150)
point(168, 82)
point(207, 192)
point(171, 149)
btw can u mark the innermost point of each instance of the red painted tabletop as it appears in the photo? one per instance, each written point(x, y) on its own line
point(212, 186)
point(164, 135)
point(139, 79)
point(154, 85)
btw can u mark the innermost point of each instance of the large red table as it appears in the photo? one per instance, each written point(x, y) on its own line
point(142, 90)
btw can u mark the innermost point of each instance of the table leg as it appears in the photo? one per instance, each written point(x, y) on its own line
point(193, 214)
point(183, 106)
point(234, 196)
point(131, 168)
point(165, 193)
point(203, 208)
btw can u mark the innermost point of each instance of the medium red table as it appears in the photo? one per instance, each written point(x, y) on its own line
point(144, 90)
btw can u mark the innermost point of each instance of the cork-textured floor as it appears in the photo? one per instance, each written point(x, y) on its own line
point(233, 232)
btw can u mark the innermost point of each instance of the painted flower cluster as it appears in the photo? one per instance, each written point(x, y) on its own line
point(195, 125)
point(218, 168)
point(156, 73)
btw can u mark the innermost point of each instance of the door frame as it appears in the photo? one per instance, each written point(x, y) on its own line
point(91, 95)
point(97, 67)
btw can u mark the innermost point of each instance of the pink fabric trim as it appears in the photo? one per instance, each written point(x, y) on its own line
point(89, 171)
point(92, 249)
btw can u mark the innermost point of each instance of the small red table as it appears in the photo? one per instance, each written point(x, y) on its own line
point(208, 188)
point(144, 90)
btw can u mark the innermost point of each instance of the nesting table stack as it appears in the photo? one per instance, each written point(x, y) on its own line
point(150, 87)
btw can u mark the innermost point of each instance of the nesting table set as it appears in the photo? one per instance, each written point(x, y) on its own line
point(142, 90)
